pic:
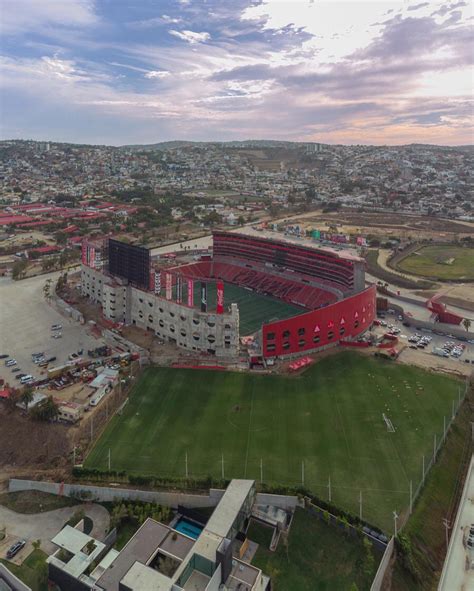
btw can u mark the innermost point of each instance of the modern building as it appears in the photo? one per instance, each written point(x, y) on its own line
point(160, 558)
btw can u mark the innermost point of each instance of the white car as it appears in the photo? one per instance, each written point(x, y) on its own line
point(25, 379)
point(10, 362)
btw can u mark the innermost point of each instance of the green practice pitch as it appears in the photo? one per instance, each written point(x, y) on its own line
point(326, 424)
point(254, 309)
point(449, 262)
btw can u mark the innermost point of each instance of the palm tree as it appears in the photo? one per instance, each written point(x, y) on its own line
point(467, 324)
point(26, 397)
point(46, 410)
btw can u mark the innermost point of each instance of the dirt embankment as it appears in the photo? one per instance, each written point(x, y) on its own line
point(30, 447)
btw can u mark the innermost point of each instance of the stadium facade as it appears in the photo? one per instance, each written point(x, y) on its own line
point(327, 284)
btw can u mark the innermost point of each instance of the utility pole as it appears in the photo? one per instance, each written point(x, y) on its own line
point(395, 518)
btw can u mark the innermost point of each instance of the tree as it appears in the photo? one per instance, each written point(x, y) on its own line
point(369, 561)
point(467, 324)
point(26, 397)
point(47, 289)
point(19, 269)
point(46, 411)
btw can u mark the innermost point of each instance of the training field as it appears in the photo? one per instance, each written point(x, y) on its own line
point(254, 309)
point(330, 417)
point(441, 262)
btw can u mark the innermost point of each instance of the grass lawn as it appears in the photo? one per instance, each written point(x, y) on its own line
point(330, 417)
point(260, 533)
point(319, 557)
point(33, 571)
point(254, 309)
point(34, 501)
point(443, 262)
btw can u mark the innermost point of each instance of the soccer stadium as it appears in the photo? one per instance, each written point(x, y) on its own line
point(294, 297)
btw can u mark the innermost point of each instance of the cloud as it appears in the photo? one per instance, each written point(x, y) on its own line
point(157, 74)
point(21, 16)
point(157, 21)
point(191, 36)
point(418, 6)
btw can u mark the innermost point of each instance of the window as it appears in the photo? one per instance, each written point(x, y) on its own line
point(182, 317)
point(196, 321)
point(182, 332)
point(161, 310)
point(271, 347)
point(330, 335)
point(172, 328)
point(211, 323)
point(270, 336)
point(227, 326)
point(196, 336)
point(316, 339)
point(342, 330)
point(172, 314)
point(356, 324)
point(150, 318)
point(301, 331)
point(150, 304)
point(286, 345)
point(211, 338)
point(301, 343)
point(140, 300)
point(286, 334)
point(140, 313)
point(161, 323)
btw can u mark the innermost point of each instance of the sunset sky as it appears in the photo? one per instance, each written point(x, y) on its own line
point(144, 71)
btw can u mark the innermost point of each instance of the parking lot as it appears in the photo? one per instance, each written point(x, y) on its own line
point(424, 356)
point(25, 328)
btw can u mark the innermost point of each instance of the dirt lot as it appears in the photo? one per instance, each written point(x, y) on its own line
point(31, 445)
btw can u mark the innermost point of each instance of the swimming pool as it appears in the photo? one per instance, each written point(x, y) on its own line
point(188, 528)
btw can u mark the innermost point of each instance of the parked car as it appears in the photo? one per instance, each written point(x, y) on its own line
point(4, 356)
point(56, 326)
point(57, 335)
point(10, 362)
point(17, 546)
point(20, 375)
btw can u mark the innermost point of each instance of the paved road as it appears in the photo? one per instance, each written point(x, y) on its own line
point(44, 526)
point(25, 321)
point(455, 575)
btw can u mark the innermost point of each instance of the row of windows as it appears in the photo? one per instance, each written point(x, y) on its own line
point(286, 334)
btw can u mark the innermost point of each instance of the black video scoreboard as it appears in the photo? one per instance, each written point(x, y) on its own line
point(130, 262)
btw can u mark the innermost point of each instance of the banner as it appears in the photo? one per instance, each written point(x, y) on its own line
point(203, 296)
point(92, 257)
point(190, 293)
point(179, 290)
point(157, 282)
point(220, 297)
point(169, 286)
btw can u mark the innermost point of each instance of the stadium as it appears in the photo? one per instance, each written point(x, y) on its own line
point(293, 297)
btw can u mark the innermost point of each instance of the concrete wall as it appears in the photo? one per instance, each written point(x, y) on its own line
point(104, 493)
point(189, 328)
point(380, 574)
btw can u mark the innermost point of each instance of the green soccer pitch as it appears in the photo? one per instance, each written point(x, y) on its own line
point(325, 424)
point(254, 308)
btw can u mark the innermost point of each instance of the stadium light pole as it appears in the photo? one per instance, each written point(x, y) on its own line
point(329, 487)
point(447, 527)
point(109, 459)
point(302, 472)
point(186, 463)
point(223, 477)
point(261, 471)
point(360, 505)
point(395, 518)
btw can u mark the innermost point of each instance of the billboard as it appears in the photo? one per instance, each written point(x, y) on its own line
point(129, 262)
point(220, 297)
point(190, 293)
point(179, 289)
point(168, 286)
point(157, 282)
point(203, 296)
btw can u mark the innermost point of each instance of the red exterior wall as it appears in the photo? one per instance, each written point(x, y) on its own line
point(303, 329)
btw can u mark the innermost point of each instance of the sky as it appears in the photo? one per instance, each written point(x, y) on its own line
point(144, 71)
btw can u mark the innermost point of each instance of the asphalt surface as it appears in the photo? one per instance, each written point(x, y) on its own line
point(44, 526)
point(25, 327)
point(456, 575)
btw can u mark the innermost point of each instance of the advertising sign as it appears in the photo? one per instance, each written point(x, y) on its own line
point(190, 293)
point(168, 286)
point(203, 296)
point(220, 297)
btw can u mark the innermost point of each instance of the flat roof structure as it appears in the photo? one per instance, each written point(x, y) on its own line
point(229, 506)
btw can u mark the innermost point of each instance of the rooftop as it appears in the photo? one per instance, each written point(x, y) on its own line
point(229, 506)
